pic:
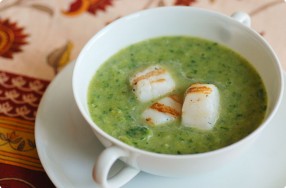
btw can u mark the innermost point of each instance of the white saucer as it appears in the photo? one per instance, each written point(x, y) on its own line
point(67, 149)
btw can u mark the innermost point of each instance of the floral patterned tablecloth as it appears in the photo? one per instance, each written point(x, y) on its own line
point(39, 37)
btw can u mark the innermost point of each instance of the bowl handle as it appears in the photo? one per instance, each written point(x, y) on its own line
point(103, 165)
point(242, 17)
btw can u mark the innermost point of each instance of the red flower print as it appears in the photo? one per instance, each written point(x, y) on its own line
point(184, 2)
point(90, 6)
point(11, 38)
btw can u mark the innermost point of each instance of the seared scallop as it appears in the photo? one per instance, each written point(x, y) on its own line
point(152, 83)
point(163, 111)
point(201, 106)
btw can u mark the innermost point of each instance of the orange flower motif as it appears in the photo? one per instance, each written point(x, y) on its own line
point(90, 6)
point(36, 85)
point(12, 137)
point(11, 38)
point(18, 81)
point(3, 76)
point(5, 108)
point(22, 111)
point(29, 98)
point(184, 2)
point(12, 94)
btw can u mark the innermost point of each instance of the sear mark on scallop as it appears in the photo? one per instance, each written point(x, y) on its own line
point(163, 111)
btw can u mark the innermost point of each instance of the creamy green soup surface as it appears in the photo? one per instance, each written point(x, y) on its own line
point(115, 109)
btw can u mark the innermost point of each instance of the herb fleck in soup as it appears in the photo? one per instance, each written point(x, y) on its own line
point(115, 109)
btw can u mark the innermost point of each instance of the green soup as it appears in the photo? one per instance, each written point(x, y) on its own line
point(115, 109)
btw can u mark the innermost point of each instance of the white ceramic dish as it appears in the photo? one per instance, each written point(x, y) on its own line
point(173, 21)
point(67, 148)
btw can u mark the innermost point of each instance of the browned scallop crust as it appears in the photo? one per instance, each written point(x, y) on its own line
point(199, 89)
point(165, 109)
point(148, 75)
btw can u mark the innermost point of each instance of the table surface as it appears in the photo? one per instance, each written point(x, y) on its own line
point(38, 38)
